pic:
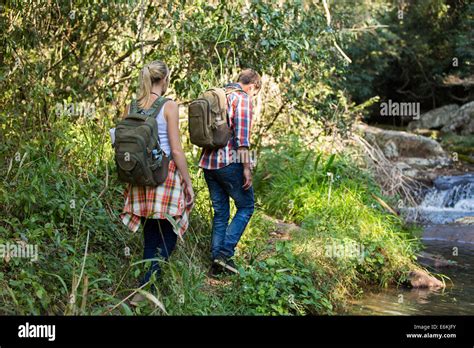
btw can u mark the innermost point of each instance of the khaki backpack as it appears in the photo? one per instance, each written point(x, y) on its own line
point(139, 157)
point(208, 120)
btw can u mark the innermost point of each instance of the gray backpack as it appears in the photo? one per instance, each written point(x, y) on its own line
point(138, 154)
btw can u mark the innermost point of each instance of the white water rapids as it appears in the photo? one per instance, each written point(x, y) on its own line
point(450, 198)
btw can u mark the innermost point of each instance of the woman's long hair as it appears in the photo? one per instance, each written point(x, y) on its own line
point(151, 73)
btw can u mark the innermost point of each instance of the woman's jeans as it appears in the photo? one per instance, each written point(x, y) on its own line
point(224, 183)
point(159, 240)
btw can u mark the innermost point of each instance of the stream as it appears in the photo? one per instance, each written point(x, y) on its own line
point(450, 198)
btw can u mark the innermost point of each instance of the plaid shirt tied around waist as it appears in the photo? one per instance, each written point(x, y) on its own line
point(165, 201)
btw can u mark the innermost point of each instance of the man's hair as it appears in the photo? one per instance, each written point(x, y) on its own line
point(248, 76)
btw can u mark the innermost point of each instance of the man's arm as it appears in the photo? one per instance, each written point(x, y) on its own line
point(242, 126)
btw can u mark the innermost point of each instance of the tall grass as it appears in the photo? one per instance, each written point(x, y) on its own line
point(333, 201)
point(63, 196)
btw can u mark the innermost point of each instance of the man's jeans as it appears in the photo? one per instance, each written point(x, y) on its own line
point(224, 183)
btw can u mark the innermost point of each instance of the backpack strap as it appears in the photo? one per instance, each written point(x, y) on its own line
point(232, 90)
point(229, 91)
point(158, 105)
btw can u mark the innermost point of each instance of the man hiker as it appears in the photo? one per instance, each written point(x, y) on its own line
point(228, 173)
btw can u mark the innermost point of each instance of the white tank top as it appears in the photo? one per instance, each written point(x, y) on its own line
point(163, 130)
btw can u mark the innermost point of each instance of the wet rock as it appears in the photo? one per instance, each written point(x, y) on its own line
point(416, 156)
point(467, 220)
point(421, 279)
point(403, 144)
point(447, 182)
point(433, 260)
point(454, 233)
point(436, 118)
point(408, 170)
point(390, 150)
point(462, 121)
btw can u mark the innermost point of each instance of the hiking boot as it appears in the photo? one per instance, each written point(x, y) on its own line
point(215, 270)
point(232, 264)
point(227, 266)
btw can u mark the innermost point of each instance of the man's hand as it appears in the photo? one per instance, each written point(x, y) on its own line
point(247, 178)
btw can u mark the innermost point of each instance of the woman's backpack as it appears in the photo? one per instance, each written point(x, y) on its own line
point(139, 157)
point(207, 119)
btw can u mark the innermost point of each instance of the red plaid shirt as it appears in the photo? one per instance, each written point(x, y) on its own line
point(165, 201)
point(239, 110)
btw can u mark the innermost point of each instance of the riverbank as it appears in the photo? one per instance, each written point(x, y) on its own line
point(456, 299)
point(338, 239)
point(445, 212)
point(315, 241)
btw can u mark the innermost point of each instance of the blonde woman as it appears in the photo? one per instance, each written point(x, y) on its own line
point(173, 199)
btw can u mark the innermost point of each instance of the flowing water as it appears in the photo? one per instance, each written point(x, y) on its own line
point(450, 199)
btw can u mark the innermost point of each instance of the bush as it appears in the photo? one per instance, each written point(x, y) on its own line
point(279, 285)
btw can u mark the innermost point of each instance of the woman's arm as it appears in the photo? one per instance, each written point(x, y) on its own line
point(172, 119)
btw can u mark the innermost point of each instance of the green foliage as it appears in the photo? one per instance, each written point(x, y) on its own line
point(47, 205)
point(67, 72)
point(42, 214)
point(64, 60)
point(280, 285)
point(405, 51)
point(334, 209)
point(462, 145)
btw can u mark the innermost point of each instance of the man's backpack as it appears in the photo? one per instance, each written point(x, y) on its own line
point(208, 121)
point(139, 157)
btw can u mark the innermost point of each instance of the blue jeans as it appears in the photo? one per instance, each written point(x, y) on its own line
point(224, 183)
point(160, 241)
